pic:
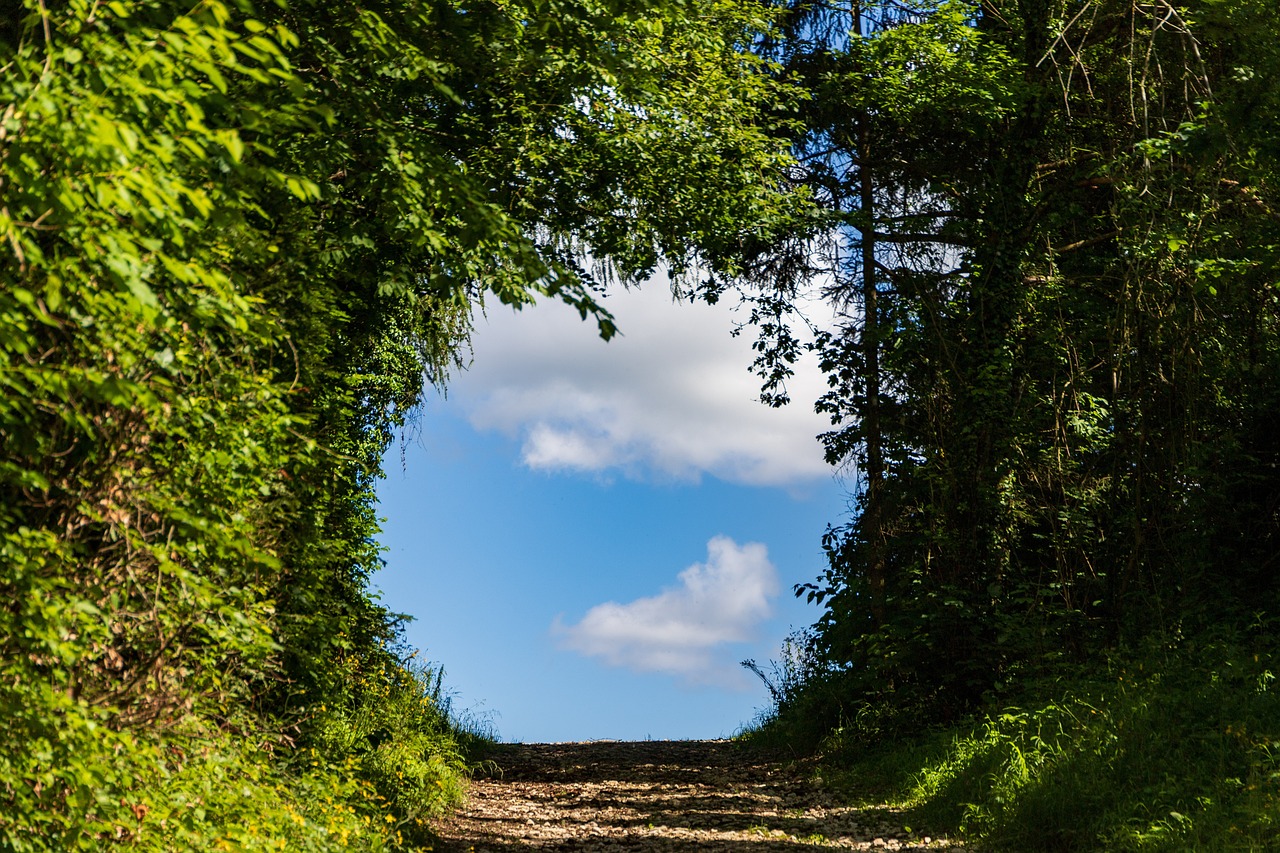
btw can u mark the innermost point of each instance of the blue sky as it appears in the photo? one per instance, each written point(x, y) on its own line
point(590, 536)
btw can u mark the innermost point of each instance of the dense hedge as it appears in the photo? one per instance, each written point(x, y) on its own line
point(236, 242)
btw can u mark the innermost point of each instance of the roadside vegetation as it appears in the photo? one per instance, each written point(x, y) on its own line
point(1049, 622)
point(236, 241)
point(1171, 750)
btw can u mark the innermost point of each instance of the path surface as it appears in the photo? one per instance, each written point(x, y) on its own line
point(671, 796)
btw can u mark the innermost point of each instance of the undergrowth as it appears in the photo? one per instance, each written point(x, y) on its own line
point(1173, 751)
point(367, 778)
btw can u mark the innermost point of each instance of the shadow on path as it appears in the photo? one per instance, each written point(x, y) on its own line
point(672, 796)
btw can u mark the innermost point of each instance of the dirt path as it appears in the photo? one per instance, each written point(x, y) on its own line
point(672, 796)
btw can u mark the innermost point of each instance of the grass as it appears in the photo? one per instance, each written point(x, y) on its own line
point(1171, 752)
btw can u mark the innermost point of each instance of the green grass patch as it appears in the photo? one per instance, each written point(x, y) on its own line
point(1173, 752)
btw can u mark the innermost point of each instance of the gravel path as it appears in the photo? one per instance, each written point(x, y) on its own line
point(672, 796)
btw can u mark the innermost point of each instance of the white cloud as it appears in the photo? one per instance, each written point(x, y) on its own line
point(671, 398)
point(678, 631)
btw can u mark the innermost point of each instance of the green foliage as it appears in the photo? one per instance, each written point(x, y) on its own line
point(76, 779)
point(393, 724)
point(1055, 376)
point(1052, 231)
point(236, 241)
point(1151, 753)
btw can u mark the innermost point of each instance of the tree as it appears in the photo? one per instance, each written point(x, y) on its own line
point(1057, 327)
point(238, 239)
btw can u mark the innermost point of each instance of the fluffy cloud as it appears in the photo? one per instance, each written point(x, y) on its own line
point(678, 631)
point(671, 398)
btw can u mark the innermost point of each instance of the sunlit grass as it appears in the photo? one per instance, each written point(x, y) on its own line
point(1169, 752)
